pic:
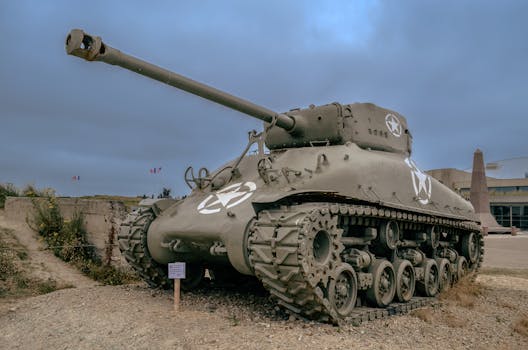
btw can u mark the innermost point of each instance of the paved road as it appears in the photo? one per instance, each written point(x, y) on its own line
point(506, 251)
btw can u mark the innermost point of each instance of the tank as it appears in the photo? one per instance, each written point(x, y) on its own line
point(331, 214)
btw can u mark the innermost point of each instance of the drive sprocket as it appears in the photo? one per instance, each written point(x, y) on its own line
point(132, 240)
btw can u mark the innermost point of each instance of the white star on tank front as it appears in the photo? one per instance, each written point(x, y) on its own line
point(421, 182)
point(227, 197)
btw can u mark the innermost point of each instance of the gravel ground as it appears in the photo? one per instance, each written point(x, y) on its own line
point(133, 316)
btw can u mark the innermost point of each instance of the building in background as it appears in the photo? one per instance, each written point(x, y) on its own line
point(507, 182)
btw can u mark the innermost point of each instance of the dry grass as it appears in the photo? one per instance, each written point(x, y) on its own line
point(453, 321)
point(425, 315)
point(521, 273)
point(464, 293)
point(128, 201)
point(521, 325)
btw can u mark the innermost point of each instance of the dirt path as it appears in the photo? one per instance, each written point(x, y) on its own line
point(44, 264)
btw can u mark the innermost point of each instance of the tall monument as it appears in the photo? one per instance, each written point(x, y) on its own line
point(479, 196)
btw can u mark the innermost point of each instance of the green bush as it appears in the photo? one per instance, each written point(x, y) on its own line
point(7, 190)
point(47, 219)
point(46, 287)
point(68, 241)
point(32, 191)
point(107, 274)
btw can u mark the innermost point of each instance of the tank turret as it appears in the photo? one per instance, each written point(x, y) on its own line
point(364, 124)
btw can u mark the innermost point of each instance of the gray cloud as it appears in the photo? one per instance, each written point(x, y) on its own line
point(457, 70)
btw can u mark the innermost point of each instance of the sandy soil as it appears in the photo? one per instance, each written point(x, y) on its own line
point(133, 316)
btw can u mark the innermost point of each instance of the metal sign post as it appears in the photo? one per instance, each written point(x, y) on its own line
point(176, 272)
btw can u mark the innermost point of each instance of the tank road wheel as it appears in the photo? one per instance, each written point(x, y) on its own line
point(461, 268)
point(433, 237)
point(429, 285)
point(445, 275)
point(132, 240)
point(470, 247)
point(389, 234)
point(383, 286)
point(405, 280)
point(342, 290)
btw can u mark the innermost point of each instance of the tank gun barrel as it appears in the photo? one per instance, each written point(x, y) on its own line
point(91, 48)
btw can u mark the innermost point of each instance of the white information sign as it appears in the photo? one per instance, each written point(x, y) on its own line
point(177, 270)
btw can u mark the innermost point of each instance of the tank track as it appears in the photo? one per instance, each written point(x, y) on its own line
point(278, 243)
point(132, 240)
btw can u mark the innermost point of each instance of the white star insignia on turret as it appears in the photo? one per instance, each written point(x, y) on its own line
point(393, 124)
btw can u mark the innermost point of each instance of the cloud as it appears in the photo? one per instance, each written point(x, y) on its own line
point(456, 70)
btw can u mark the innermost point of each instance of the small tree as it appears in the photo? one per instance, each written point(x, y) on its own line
point(165, 193)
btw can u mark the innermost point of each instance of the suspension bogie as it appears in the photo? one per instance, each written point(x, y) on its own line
point(397, 259)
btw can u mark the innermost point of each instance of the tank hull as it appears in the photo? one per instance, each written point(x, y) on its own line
point(334, 174)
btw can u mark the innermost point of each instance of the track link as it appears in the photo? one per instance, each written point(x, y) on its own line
point(278, 244)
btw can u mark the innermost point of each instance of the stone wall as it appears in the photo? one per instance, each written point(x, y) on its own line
point(102, 219)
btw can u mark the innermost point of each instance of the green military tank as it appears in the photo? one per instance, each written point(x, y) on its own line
point(331, 214)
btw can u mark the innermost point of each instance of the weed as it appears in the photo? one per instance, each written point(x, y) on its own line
point(464, 293)
point(47, 219)
point(7, 190)
point(46, 287)
point(7, 262)
point(68, 241)
point(32, 191)
point(107, 274)
point(235, 321)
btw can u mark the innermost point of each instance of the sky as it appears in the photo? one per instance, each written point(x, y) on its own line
point(457, 70)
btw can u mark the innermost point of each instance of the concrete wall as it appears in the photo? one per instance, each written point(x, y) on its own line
point(102, 219)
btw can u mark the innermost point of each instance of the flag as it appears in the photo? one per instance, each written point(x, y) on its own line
point(76, 178)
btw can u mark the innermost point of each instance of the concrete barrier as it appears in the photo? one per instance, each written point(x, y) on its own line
point(101, 218)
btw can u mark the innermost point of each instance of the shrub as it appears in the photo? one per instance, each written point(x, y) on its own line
point(68, 240)
point(7, 190)
point(464, 293)
point(7, 262)
point(108, 275)
point(32, 191)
